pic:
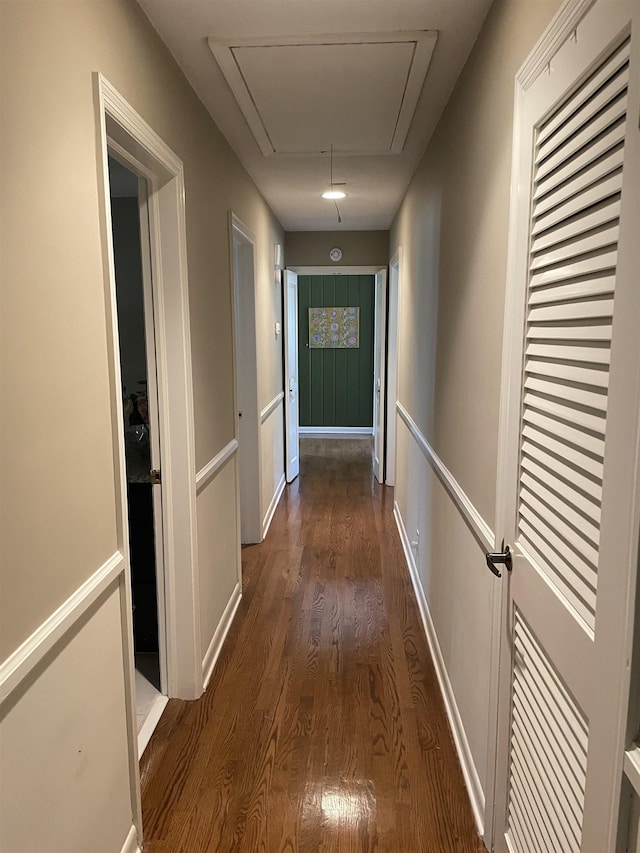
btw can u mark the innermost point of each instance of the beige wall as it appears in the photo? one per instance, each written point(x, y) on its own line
point(63, 747)
point(58, 500)
point(452, 228)
point(58, 477)
point(359, 248)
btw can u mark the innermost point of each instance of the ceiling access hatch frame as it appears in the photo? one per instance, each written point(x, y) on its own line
point(230, 54)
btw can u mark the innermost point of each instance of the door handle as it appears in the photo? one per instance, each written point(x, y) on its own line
point(502, 557)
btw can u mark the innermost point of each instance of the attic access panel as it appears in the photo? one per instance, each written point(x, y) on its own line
point(299, 94)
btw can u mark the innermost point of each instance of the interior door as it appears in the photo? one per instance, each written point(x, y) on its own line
point(569, 487)
point(291, 411)
point(379, 342)
point(391, 375)
point(154, 423)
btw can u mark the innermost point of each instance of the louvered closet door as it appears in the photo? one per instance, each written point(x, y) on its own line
point(558, 775)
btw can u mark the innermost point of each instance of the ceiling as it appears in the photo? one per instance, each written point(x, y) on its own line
point(285, 80)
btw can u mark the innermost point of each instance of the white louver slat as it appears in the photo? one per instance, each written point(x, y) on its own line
point(599, 217)
point(594, 173)
point(619, 59)
point(592, 241)
point(549, 739)
point(598, 109)
point(609, 140)
point(588, 197)
point(576, 206)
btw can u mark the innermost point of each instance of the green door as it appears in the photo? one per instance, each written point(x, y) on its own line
point(336, 385)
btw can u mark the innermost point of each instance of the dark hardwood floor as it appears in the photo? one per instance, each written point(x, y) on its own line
point(323, 728)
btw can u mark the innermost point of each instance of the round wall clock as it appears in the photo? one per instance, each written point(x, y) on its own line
point(335, 254)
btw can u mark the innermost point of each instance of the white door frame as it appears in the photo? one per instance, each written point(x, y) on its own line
point(119, 126)
point(379, 371)
point(341, 270)
point(245, 379)
point(291, 374)
point(116, 152)
point(154, 416)
point(391, 391)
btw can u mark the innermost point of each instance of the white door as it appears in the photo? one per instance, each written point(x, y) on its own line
point(379, 342)
point(291, 414)
point(392, 370)
point(154, 421)
point(568, 489)
point(248, 430)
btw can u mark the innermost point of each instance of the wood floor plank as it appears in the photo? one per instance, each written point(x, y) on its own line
point(323, 729)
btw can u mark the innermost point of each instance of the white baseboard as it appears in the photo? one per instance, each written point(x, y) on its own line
point(335, 430)
point(215, 646)
point(131, 842)
point(272, 506)
point(469, 771)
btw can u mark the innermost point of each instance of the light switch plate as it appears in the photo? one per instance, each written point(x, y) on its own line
point(278, 329)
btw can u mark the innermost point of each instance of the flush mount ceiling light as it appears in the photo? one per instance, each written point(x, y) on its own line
point(333, 193)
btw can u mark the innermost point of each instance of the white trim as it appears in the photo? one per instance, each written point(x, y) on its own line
point(270, 408)
point(469, 771)
point(273, 505)
point(563, 24)
point(209, 471)
point(151, 721)
point(335, 270)
point(476, 523)
point(21, 662)
point(391, 366)
point(632, 767)
point(220, 635)
point(242, 269)
point(243, 230)
point(335, 430)
point(291, 375)
point(131, 842)
point(380, 374)
point(119, 123)
point(422, 43)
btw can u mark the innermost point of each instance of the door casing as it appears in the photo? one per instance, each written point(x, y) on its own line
point(379, 374)
point(116, 152)
point(391, 387)
point(348, 270)
point(291, 400)
point(122, 130)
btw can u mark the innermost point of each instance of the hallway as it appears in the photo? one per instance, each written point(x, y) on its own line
point(323, 726)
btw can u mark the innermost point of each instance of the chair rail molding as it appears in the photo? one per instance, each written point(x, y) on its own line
point(478, 526)
point(208, 472)
point(22, 661)
point(270, 408)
